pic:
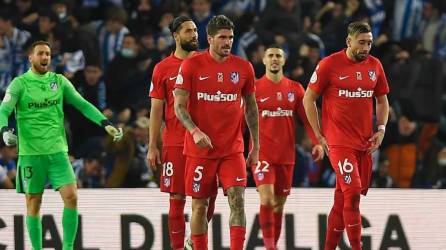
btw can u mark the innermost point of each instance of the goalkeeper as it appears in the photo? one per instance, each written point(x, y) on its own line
point(37, 97)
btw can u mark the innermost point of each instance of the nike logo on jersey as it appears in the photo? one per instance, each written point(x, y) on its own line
point(286, 190)
point(201, 78)
point(343, 77)
point(264, 99)
point(172, 78)
point(350, 225)
point(239, 179)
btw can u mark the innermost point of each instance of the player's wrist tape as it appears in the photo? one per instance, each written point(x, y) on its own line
point(194, 130)
point(382, 127)
point(106, 123)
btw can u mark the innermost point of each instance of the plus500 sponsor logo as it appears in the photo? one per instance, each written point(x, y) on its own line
point(277, 113)
point(217, 97)
point(356, 94)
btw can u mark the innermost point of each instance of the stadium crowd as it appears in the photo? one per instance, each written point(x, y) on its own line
point(108, 49)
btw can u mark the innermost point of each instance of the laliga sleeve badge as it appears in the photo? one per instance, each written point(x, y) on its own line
point(313, 78)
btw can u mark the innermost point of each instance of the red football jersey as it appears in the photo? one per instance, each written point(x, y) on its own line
point(215, 101)
point(347, 90)
point(279, 103)
point(163, 82)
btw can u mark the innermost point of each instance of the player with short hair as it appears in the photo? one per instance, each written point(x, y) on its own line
point(348, 82)
point(184, 31)
point(279, 100)
point(214, 91)
point(37, 97)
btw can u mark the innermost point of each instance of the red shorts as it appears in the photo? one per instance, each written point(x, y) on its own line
point(280, 175)
point(353, 168)
point(202, 175)
point(172, 176)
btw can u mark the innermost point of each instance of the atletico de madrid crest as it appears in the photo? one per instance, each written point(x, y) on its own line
point(196, 187)
point(290, 96)
point(372, 75)
point(235, 77)
point(53, 86)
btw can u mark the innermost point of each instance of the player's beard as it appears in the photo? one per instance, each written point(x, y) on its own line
point(274, 71)
point(41, 69)
point(189, 45)
point(222, 54)
point(359, 57)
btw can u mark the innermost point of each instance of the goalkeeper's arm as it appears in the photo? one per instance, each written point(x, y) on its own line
point(89, 110)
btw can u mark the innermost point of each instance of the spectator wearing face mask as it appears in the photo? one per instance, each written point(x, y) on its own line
point(126, 79)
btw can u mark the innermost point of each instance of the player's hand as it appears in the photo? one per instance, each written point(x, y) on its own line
point(317, 152)
point(153, 157)
point(323, 143)
point(9, 137)
point(375, 141)
point(115, 132)
point(201, 139)
point(253, 157)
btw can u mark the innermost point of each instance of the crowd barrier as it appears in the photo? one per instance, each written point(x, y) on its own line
point(136, 219)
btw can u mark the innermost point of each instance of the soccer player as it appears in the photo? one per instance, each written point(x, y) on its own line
point(279, 100)
point(214, 90)
point(184, 31)
point(37, 97)
point(349, 81)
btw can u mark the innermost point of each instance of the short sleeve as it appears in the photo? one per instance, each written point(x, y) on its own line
point(157, 86)
point(249, 86)
point(382, 86)
point(320, 78)
point(185, 76)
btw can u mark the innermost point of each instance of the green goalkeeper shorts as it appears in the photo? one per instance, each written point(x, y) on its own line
point(33, 171)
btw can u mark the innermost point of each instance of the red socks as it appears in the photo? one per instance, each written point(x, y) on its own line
point(200, 241)
point(277, 226)
point(266, 219)
point(335, 222)
point(352, 217)
point(237, 237)
point(176, 223)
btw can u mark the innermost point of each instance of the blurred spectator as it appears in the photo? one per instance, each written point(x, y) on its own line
point(399, 145)
point(90, 84)
point(406, 19)
point(144, 16)
point(8, 160)
point(90, 171)
point(281, 22)
point(433, 29)
point(130, 166)
point(5, 182)
point(201, 14)
point(111, 33)
point(126, 78)
point(26, 13)
point(12, 41)
point(330, 25)
point(381, 177)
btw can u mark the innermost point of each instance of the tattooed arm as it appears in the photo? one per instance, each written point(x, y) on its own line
point(252, 120)
point(200, 138)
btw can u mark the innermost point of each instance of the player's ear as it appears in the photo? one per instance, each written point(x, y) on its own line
point(209, 39)
point(348, 41)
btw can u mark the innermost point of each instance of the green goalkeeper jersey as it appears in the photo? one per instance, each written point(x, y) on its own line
point(38, 102)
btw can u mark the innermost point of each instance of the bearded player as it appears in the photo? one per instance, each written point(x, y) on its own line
point(348, 82)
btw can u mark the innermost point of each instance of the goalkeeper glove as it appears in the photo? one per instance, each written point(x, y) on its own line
point(112, 130)
point(9, 137)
